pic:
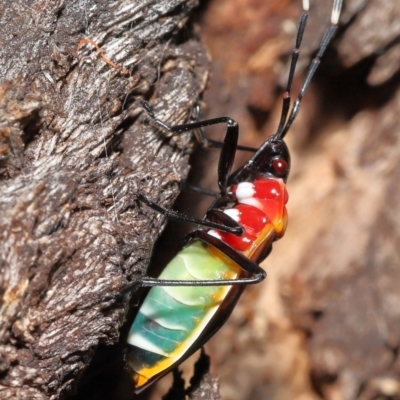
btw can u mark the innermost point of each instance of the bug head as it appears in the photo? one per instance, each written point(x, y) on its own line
point(272, 159)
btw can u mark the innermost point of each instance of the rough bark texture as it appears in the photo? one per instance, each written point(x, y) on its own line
point(325, 324)
point(74, 150)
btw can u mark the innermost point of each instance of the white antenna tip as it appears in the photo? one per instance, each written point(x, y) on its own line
point(337, 7)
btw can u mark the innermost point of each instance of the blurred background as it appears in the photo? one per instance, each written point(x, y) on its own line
point(326, 322)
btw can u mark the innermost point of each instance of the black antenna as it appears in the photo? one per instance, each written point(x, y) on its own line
point(285, 121)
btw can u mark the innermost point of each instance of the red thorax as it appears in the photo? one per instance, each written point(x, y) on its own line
point(260, 209)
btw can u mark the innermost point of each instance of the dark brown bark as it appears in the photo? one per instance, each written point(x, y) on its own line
point(325, 324)
point(74, 150)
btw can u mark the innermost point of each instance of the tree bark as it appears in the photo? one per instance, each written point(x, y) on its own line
point(74, 149)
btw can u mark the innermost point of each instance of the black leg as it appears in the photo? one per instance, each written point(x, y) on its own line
point(215, 214)
point(210, 143)
point(227, 155)
point(228, 147)
point(197, 189)
point(257, 274)
point(214, 144)
point(246, 264)
point(225, 224)
point(198, 131)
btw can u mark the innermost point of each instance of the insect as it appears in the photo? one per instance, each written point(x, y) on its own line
point(198, 289)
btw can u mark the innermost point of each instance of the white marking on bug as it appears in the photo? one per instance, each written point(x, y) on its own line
point(244, 190)
point(252, 202)
point(151, 313)
point(138, 340)
point(214, 233)
point(337, 6)
point(233, 213)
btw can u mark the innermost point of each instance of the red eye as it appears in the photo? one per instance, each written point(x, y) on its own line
point(279, 165)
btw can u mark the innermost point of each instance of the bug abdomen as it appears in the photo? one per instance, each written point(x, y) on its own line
point(172, 318)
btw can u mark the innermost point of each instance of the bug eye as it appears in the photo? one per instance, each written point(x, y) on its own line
point(279, 165)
